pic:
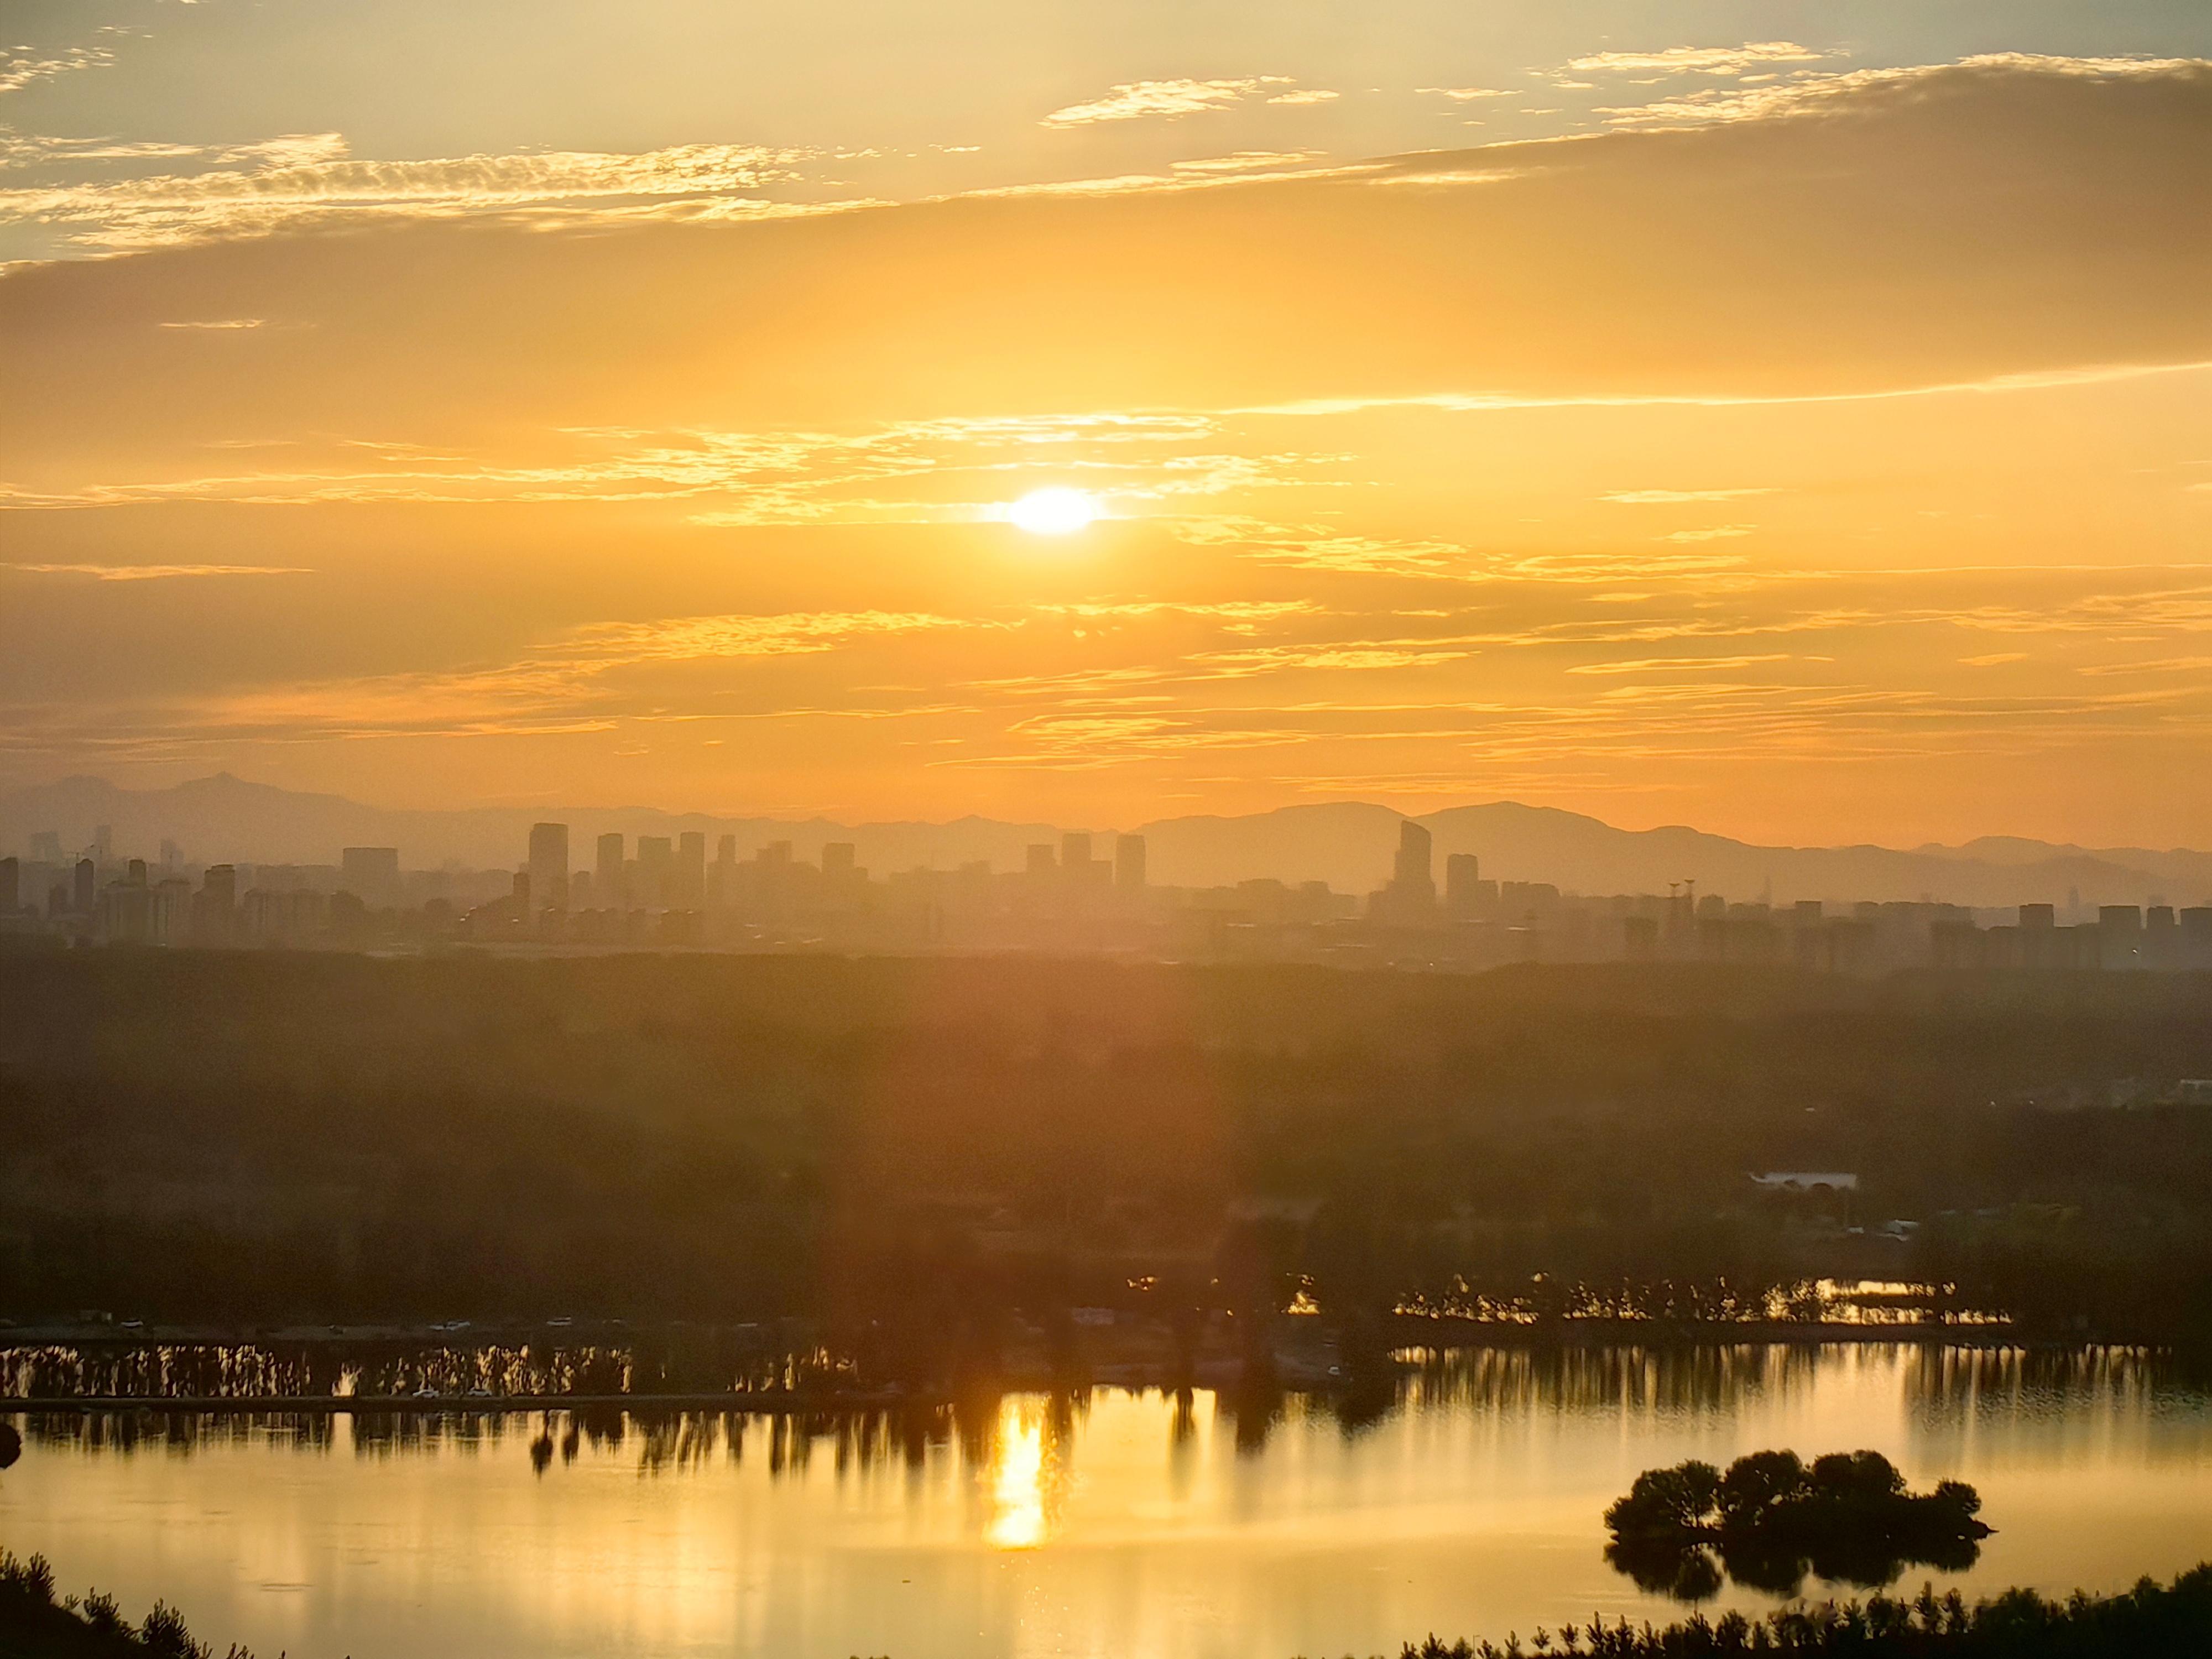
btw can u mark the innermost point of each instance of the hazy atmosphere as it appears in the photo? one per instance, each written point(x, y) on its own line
point(1133, 829)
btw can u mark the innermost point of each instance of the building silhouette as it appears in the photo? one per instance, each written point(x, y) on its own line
point(607, 873)
point(691, 870)
point(370, 873)
point(656, 871)
point(548, 866)
point(1409, 899)
point(1129, 863)
point(1463, 888)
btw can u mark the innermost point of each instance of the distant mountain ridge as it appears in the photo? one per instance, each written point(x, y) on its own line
point(1348, 844)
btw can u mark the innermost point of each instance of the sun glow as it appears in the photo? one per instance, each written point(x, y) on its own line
point(1052, 512)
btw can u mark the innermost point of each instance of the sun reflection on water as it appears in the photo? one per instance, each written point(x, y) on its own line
point(1019, 1521)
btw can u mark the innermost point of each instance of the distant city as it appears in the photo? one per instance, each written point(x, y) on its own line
point(1083, 894)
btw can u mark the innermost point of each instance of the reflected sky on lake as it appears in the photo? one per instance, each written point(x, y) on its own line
point(1105, 1523)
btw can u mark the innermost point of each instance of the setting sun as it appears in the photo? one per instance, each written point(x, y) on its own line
point(1054, 512)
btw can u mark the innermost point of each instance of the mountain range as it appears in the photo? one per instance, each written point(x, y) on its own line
point(1347, 844)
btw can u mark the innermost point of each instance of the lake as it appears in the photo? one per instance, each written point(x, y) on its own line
point(1120, 1524)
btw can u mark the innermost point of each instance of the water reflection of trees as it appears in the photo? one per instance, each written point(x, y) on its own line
point(1941, 1384)
point(1565, 1380)
point(690, 1360)
point(1952, 1385)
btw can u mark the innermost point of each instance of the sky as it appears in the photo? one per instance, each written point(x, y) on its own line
point(1794, 420)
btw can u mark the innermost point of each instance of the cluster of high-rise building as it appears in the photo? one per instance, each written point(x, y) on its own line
point(1081, 894)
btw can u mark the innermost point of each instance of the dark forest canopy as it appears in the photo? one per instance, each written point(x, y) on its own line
point(259, 1137)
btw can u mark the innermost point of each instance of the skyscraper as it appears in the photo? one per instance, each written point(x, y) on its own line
point(10, 882)
point(656, 871)
point(548, 866)
point(1413, 875)
point(371, 874)
point(1129, 863)
point(1463, 881)
point(691, 869)
point(214, 907)
point(1409, 899)
point(607, 877)
point(86, 880)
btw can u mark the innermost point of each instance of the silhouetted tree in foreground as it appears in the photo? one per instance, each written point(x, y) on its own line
point(35, 1625)
point(2152, 1621)
point(1769, 1520)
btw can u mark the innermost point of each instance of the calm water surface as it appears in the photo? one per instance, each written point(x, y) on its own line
point(1134, 1526)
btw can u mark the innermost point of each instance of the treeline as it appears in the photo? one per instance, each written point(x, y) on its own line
point(36, 1625)
point(2151, 1621)
point(263, 1138)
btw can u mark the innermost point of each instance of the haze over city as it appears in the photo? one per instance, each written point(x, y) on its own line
point(1170, 829)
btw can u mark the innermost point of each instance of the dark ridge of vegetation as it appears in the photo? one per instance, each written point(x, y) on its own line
point(909, 1151)
point(2151, 1621)
point(1771, 1520)
point(33, 1625)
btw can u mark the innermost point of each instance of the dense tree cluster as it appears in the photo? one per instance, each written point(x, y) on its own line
point(2151, 1621)
point(36, 1625)
point(1772, 1519)
point(258, 1138)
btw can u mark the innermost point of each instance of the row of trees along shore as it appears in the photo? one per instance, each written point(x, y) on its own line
point(2151, 1621)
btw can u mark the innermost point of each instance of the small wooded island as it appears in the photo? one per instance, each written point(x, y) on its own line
point(1771, 1519)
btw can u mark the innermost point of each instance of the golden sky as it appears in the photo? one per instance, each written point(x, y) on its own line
point(1792, 420)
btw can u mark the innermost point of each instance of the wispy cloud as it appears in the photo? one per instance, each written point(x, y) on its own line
point(1698, 60)
point(1807, 91)
point(1670, 497)
point(694, 638)
point(150, 572)
point(1320, 547)
point(20, 66)
point(311, 179)
point(1139, 101)
point(1676, 665)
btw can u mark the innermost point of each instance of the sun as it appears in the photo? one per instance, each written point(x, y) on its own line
point(1052, 512)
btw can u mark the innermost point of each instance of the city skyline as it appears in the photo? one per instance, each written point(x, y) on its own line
point(1349, 846)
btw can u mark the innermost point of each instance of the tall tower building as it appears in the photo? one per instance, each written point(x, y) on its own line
point(656, 871)
point(691, 869)
point(10, 884)
point(85, 882)
point(1414, 876)
point(1463, 881)
point(548, 866)
point(371, 874)
point(1129, 863)
point(607, 873)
